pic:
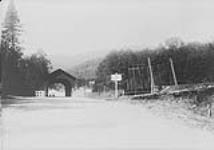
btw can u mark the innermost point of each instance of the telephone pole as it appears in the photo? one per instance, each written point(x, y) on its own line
point(173, 72)
point(133, 81)
point(151, 76)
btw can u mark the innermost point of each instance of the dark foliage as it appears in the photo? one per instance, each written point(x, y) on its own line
point(19, 75)
point(193, 63)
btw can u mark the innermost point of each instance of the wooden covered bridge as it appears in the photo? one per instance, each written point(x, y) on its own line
point(60, 76)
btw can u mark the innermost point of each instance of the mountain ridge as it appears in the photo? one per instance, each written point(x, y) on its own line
point(86, 70)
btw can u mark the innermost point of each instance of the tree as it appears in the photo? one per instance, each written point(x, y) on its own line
point(20, 75)
point(173, 42)
point(193, 63)
point(10, 50)
point(35, 69)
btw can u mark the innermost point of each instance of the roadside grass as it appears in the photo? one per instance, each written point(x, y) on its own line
point(12, 100)
point(101, 95)
point(179, 110)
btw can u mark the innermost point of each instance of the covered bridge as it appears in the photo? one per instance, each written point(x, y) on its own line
point(60, 76)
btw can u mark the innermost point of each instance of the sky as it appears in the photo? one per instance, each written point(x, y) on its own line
point(72, 31)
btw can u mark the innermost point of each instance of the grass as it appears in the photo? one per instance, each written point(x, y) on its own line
point(181, 110)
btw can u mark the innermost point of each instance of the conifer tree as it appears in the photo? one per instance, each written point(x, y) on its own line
point(10, 50)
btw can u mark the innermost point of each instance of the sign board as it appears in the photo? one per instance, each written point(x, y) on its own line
point(116, 77)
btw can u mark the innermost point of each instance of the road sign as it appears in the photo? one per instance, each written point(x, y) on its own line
point(116, 77)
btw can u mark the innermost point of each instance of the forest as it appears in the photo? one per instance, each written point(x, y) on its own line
point(193, 63)
point(20, 74)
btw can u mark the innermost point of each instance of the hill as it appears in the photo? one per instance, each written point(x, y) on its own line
point(86, 70)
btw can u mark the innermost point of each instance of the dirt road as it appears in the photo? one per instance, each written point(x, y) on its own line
point(82, 123)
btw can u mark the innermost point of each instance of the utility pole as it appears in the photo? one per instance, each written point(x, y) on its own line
point(134, 70)
point(133, 81)
point(151, 75)
point(173, 72)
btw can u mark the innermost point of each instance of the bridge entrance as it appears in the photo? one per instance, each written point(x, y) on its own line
point(57, 90)
point(62, 77)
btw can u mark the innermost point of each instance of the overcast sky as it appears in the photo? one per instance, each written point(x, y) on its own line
point(71, 29)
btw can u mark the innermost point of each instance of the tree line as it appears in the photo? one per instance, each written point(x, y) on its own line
point(193, 63)
point(20, 74)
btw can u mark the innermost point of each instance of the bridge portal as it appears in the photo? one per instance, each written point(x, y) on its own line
point(60, 76)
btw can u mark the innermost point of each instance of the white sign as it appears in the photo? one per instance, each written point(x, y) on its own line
point(116, 77)
point(91, 82)
point(40, 93)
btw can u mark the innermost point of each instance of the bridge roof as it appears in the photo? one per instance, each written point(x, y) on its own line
point(59, 72)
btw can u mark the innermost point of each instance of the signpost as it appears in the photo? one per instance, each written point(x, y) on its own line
point(116, 78)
